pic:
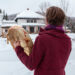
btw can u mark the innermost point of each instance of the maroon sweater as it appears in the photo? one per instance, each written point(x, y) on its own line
point(49, 55)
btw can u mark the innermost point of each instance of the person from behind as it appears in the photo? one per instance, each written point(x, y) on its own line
point(52, 46)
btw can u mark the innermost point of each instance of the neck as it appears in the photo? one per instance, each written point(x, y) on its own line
point(54, 27)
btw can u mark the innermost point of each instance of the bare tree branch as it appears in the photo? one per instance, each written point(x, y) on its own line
point(43, 6)
point(64, 5)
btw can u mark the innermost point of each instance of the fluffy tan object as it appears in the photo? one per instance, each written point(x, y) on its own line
point(17, 33)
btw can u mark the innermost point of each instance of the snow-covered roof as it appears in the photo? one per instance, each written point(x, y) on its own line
point(29, 14)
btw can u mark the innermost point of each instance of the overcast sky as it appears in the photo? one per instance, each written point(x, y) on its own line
point(16, 6)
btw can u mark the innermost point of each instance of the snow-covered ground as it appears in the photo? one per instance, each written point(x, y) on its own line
point(10, 64)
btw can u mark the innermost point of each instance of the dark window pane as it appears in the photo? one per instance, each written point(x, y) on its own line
point(32, 29)
point(28, 21)
point(6, 30)
point(24, 27)
point(35, 21)
point(38, 28)
point(32, 21)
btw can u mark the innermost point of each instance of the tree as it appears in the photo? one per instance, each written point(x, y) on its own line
point(43, 6)
point(0, 11)
point(5, 17)
point(72, 24)
point(64, 4)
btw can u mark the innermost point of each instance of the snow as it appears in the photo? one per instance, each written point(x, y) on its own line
point(28, 14)
point(11, 65)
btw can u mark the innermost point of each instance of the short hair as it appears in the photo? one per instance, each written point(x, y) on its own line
point(55, 16)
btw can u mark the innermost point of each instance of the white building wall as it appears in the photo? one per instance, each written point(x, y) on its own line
point(35, 29)
point(28, 28)
point(40, 21)
point(0, 31)
point(1, 18)
point(19, 21)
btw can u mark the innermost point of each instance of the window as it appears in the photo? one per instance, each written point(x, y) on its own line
point(32, 29)
point(31, 21)
point(28, 21)
point(24, 27)
point(38, 28)
point(35, 21)
point(6, 30)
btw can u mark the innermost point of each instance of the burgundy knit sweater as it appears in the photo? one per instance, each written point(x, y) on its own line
point(50, 53)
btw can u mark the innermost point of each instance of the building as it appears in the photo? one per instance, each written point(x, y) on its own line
point(0, 31)
point(28, 19)
point(6, 25)
point(1, 18)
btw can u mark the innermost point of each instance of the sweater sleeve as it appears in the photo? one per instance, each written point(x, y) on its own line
point(32, 61)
